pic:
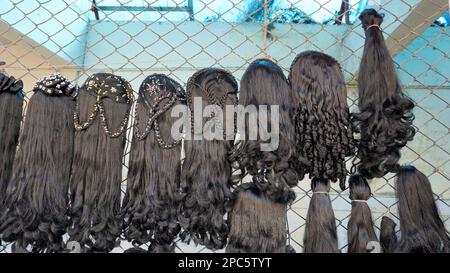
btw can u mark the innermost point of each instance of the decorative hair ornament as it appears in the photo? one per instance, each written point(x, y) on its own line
point(36, 196)
point(150, 205)
point(360, 230)
point(205, 177)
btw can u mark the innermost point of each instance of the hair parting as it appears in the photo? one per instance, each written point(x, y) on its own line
point(101, 117)
point(37, 195)
point(206, 171)
point(388, 238)
point(11, 101)
point(276, 171)
point(421, 226)
point(150, 205)
point(384, 121)
point(360, 230)
point(324, 135)
point(320, 228)
point(257, 224)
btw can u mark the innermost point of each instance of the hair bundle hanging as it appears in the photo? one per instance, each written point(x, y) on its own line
point(384, 120)
point(150, 204)
point(101, 117)
point(206, 171)
point(388, 238)
point(323, 131)
point(360, 229)
point(274, 172)
point(320, 228)
point(257, 224)
point(11, 101)
point(37, 196)
point(421, 226)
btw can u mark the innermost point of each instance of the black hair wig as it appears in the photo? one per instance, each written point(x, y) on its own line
point(320, 228)
point(257, 224)
point(37, 195)
point(150, 205)
point(11, 101)
point(388, 238)
point(384, 120)
point(360, 230)
point(322, 118)
point(206, 171)
point(274, 172)
point(421, 226)
point(101, 117)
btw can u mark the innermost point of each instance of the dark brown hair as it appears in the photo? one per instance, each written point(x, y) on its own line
point(388, 238)
point(206, 171)
point(257, 224)
point(322, 119)
point(384, 120)
point(274, 172)
point(150, 205)
point(360, 229)
point(103, 105)
point(37, 196)
point(421, 226)
point(11, 101)
point(320, 228)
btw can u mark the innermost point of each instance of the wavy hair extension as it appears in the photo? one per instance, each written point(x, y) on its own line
point(324, 135)
point(360, 230)
point(384, 120)
point(37, 196)
point(257, 224)
point(388, 238)
point(11, 101)
point(205, 179)
point(275, 172)
point(150, 205)
point(421, 226)
point(320, 227)
point(101, 117)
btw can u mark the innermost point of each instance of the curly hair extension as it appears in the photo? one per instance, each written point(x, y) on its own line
point(11, 101)
point(150, 205)
point(264, 84)
point(421, 227)
point(37, 196)
point(101, 117)
point(324, 135)
point(384, 120)
point(205, 179)
point(360, 229)
point(388, 238)
point(320, 228)
point(257, 224)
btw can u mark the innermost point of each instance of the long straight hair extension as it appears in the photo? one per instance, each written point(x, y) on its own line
point(11, 101)
point(257, 224)
point(384, 121)
point(324, 135)
point(205, 180)
point(275, 172)
point(388, 238)
point(360, 230)
point(421, 226)
point(150, 204)
point(37, 196)
point(320, 228)
point(101, 117)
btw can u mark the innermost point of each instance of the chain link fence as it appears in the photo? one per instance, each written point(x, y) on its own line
point(135, 38)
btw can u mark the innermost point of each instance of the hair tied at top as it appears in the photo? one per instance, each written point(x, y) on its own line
point(375, 26)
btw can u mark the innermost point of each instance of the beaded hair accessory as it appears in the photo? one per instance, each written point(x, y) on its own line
point(212, 98)
point(55, 85)
point(104, 85)
point(9, 84)
point(154, 90)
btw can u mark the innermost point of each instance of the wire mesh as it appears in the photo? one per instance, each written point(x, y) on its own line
point(136, 38)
